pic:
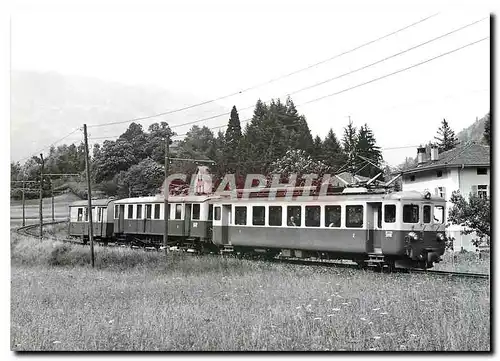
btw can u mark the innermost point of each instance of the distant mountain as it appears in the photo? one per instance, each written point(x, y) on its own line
point(47, 106)
point(473, 132)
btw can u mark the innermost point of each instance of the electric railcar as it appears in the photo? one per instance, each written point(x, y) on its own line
point(366, 227)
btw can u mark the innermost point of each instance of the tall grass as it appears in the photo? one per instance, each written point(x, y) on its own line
point(137, 300)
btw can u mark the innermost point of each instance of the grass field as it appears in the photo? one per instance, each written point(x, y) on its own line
point(133, 301)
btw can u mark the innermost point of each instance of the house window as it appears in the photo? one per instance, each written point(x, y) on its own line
point(275, 218)
point(240, 216)
point(196, 211)
point(439, 173)
point(259, 216)
point(157, 211)
point(178, 211)
point(482, 191)
point(332, 216)
point(410, 213)
point(482, 171)
point(313, 216)
point(390, 213)
point(354, 216)
point(139, 211)
point(217, 214)
point(80, 214)
point(427, 214)
point(130, 211)
point(293, 216)
point(412, 178)
point(148, 211)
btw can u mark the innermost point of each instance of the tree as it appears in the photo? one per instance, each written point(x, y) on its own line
point(317, 148)
point(473, 214)
point(332, 153)
point(142, 179)
point(366, 146)
point(349, 143)
point(299, 162)
point(487, 129)
point(232, 142)
point(115, 157)
point(446, 137)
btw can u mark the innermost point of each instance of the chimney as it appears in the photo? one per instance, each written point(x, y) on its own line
point(420, 155)
point(434, 152)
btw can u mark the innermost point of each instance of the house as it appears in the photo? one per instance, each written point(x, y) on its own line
point(465, 168)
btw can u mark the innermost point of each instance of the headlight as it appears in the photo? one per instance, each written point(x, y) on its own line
point(440, 237)
point(413, 236)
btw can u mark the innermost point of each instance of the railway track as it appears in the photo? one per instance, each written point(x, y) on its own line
point(296, 261)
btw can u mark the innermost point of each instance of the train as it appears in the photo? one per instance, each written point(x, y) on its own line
point(372, 228)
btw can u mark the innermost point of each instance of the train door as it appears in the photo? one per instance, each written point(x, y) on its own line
point(373, 227)
point(187, 219)
point(225, 222)
point(121, 218)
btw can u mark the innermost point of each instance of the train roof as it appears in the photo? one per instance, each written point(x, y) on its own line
point(171, 199)
point(95, 202)
point(343, 197)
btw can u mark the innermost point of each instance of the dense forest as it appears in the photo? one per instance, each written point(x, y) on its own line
point(276, 140)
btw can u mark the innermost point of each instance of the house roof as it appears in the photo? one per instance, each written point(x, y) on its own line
point(472, 154)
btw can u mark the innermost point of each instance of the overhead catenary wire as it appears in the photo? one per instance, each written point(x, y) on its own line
point(266, 82)
point(343, 90)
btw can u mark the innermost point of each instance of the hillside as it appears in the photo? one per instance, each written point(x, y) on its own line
point(472, 132)
point(47, 106)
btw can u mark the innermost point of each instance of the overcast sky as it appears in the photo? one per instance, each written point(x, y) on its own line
point(212, 50)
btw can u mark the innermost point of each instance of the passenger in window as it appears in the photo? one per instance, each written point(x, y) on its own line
point(291, 222)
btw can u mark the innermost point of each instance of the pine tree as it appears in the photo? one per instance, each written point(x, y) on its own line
point(446, 137)
point(349, 143)
point(367, 147)
point(317, 149)
point(232, 142)
point(332, 153)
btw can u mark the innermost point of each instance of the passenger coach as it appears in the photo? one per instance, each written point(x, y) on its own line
point(365, 227)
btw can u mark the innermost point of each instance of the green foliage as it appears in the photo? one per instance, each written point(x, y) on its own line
point(232, 143)
point(446, 137)
point(299, 162)
point(473, 214)
point(144, 178)
point(349, 143)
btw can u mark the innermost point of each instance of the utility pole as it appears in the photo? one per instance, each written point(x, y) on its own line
point(41, 198)
point(52, 190)
point(166, 191)
point(89, 194)
point(24, 215)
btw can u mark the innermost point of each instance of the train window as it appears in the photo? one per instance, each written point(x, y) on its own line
point(86, 214)
point(210, 211)
point(293, 216)
point(259, 216)
point(196, 211)
point(332, 216)
point(130, 212)
point(240, 216)
point(410, 213)
point(99, 214)
point(438, 214)
point(178, 211)
point(427, 214)
point(354, 216)
point(390, 213)
point(313, 215)
point(217, 214)
point(157, 211)
point(275, 218)
point(148, 211)
point(139, 211)
point(80, 214)
point(116, 211)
